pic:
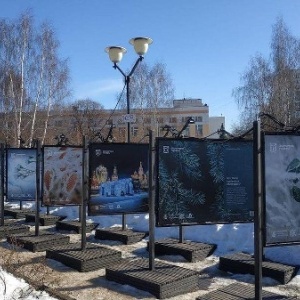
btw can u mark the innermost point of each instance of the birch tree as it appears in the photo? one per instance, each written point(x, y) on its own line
point(33, 79)
point(271, 84)
point(150, 88)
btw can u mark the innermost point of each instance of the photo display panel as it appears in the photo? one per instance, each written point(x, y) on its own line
point(118, 178)
point(21, 174)
point(62, 176)
point(282, 188)
point(204, 181)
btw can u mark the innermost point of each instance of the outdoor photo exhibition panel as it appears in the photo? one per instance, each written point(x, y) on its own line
point(62, 176)
point(118, 178)
point(21, 174)
point(282, 188)
point(204, 181)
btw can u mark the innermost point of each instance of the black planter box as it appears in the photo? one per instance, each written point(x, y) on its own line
point(164, 281)
point(11, 228)
point(93, 257)
point(76, 226)
point(126, 236)
point(236, 291)
point(191, 251)
point(36, 243)
point(45, 220)
point(17, 213)
point(243, 263)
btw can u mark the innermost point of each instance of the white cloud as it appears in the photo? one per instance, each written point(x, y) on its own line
point(104, 91)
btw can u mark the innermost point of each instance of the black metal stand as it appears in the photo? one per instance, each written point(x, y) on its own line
point(38, 190)
point(85, 194)
point(151, 205)
point(123, 221)
point(2, 183)
point(258, 247)
point(180, 234)
point(84, 256)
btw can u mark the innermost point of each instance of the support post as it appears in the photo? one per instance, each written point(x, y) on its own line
point(151, 204)
point(2, 184)
point(38, 185)
point(85, 192)
point(258, 247)
point(181, 229)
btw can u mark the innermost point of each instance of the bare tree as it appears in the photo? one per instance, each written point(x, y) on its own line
point(271, 85)
point(150, 88)
point(33, 78)
point(85, 114)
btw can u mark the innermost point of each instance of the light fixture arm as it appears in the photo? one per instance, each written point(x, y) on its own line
point(127, 81)
point(140, 58)
point(116, 53)
point(190, 120)
point(262, 114)
point(183, 128)
point(115, 66)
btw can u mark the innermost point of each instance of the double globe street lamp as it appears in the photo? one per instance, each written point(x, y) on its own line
point(116, 53)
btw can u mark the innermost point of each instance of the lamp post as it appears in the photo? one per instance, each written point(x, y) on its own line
point(62, 140)
point(115, 53)
point(189, 121)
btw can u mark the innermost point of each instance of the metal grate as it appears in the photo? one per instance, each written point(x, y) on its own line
point(125, 236)
point(244, 263)
point(164, 281)
point(93, 257)
point(239, 291)
point(191, 251)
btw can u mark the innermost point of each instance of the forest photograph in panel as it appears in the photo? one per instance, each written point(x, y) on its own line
point(282, 188)
point(62, 176)
point(21, 174)
point(118, 178)
point(202, 181)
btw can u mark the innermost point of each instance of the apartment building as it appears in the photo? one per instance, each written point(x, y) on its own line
point(167, 121)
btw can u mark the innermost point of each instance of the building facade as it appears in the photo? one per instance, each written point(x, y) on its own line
point(166, 121)
point(111, 125)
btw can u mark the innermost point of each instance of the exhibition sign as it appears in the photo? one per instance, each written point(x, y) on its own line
point(62, 176)
point(118, 178)
point(21, 174)
point(204, 181)
point(282, 188)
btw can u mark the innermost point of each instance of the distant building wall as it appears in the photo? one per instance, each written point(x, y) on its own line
point(145, 119)
point(215, 124)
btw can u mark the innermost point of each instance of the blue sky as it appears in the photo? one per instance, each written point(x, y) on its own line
point(205, 44)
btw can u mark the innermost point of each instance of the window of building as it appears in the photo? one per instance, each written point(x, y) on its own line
point(184, 119)
point(198, 119)
point(199, 129)
point(134, 131)
point(173, 120)
point(160, 120)
point(147, 120)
